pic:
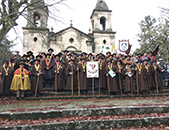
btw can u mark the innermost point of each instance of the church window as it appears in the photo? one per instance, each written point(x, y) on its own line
point(103, 23)
point(92, 25)
point(104, 41)
point(35, 39)
point(36, 20)
point(71, 40)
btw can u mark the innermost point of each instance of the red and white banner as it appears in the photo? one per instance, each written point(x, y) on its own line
point(123, 45)
point(92, 69)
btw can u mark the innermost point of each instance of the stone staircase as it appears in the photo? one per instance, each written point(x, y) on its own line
point(48, 93)
point(89, 119)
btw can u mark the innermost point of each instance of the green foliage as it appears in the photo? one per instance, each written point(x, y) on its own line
point(6, 53)
point(152, 33)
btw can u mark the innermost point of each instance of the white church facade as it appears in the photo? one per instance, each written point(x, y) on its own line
point(38, 38)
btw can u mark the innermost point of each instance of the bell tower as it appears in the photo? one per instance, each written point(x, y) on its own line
point(102, 26)
point(37, 14)
point(35, 34)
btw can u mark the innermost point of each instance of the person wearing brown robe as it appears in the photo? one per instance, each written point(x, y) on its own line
point(59, 72)
point(128, 79)
point(119, 74)
point(141, 73)
point(14, 60)
point(69, 74)
point(156, 72)
point(149, 78)
point(36, 72)
point(102, 77)
point(82, 75)
point(112, 81)
point(67, 60)
point(6, 73)
point(73, 57)
point(90, 57)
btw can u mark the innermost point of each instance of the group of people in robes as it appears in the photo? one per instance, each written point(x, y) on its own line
point(66, 71)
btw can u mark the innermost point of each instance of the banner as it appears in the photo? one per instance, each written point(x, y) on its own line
point(155, 51)
point(107, 48)
point(123, 45)
point(92, 69)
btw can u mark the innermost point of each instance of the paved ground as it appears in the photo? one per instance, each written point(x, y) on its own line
point(81, 103)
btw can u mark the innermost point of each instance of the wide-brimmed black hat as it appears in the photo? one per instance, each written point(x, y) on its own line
point(100, 57)
point(38, 56)
point(66, 51)
point(69, 54)
point(24, 55)
point(84, 53)
point(30, 52)
point(60, 54)
point(71, 60)
point(90, 54)
point(43, 53)
point(108, 52)
point(114, 54)
point(21, 63)
point(50, 49)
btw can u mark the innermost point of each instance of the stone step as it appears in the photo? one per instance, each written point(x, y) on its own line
point(105, 111)
point(94, 124)
point(51, 93)
point(52, 97)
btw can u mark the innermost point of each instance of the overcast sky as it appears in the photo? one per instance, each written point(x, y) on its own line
point(126, 14)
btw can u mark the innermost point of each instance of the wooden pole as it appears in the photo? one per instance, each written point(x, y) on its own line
point(120, 84)
point(99, 82)
point(1, 73)
point(149, 84)
point(156, 82)
point(78, 82)
point(37, 83)
point(131, 84)
point(56, 83)
point(72, 80)
point(108, 84)
point(93, 86)
point(137, 82)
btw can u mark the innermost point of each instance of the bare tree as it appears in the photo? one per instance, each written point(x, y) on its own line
point(11, 10)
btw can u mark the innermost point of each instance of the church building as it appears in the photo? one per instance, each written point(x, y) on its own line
point(38, 38)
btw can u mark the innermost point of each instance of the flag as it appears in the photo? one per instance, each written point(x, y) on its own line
point(112, 48)
point(106, 48)
point(155, 51)
point(128, 50)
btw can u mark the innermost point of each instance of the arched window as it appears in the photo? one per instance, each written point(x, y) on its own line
point(103, 23)
point(36, 19)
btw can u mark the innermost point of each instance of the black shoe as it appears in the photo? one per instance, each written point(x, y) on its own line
point(17, 98)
